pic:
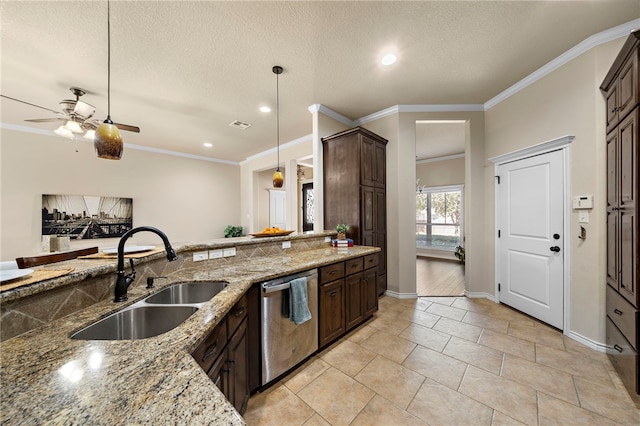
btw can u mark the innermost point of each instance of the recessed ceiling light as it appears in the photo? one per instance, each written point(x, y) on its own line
point(265, 109)
point(207, 144)
point(389, 59)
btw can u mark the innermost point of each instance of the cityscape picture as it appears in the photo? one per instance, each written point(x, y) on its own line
point(85, 216)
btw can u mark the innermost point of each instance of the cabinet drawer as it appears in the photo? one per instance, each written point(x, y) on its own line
point(623, 357)
point(371, 260)
point(237, 314)
point(353, 265)
point(212, 347)
point(331, 272)
point(623, 315)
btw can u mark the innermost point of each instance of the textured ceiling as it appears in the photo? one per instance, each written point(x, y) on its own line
point(183, 70)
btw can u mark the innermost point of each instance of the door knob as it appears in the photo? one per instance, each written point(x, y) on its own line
point(554, 249)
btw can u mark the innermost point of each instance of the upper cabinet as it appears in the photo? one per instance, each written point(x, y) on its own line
point(620, 87)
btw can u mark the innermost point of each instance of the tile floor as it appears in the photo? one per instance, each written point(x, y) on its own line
point(449, 361)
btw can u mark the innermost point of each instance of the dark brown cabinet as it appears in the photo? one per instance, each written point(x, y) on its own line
point(621, 92)
point(348, 296)
point(225, 355)
point(354, 167)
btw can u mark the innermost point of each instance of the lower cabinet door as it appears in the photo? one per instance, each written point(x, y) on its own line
point(353, 300)
point(219, 374)
point(331, 312)
point(624, 358)
point(369, 292)
point(238, 366)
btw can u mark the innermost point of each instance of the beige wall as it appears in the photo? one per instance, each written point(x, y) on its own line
point(441, 173)
point(565, 102)
point(189, 199)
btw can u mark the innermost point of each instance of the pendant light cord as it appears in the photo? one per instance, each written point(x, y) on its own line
point(278, 118)
point(108, 60)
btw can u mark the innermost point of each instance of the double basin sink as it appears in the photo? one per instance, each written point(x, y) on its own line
point(156, 314)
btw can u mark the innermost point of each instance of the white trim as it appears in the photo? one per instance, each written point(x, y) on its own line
point(577, 50)
point(446, 188)
point(596, 346)
point(443, 158)
point(50, 133)
point(479, 295)
point(377, 115)
point(418, 108)
point(562, 143)
point(530, 151)
point(303, 139)
point(331, 113)
point(401, 295)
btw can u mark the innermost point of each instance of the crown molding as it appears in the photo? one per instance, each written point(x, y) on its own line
point(443, 158)
point(50, 133)
point(533, 150)
point(290, 144)
point(331, 113)
point(577, 50)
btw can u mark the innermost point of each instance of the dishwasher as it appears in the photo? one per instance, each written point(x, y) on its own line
point(285, 344)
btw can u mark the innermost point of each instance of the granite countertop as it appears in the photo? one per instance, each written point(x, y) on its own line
point(47, 377)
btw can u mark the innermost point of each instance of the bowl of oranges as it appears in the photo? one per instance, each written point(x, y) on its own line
point(271, 232)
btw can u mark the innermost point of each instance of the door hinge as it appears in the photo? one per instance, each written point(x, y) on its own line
point(498, 286)
point(498, 177)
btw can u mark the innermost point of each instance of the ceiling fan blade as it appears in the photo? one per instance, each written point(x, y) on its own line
point(83, 109)
point(29, 103)
point(128, 128)
point(46, 120)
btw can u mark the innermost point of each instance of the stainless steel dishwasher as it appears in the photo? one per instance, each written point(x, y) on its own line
point(285, 344)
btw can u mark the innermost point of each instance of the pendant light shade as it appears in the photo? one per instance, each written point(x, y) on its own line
point(278, 178)
point(107, 140)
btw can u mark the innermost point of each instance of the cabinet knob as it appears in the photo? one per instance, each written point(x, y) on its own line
point(617, 311)
point(333, 293)
point(617, 348)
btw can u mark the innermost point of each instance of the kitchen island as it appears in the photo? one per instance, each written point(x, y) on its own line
point(49, 378)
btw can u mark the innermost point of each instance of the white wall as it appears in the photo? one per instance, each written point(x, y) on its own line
point(190, 200)
point(565, 102)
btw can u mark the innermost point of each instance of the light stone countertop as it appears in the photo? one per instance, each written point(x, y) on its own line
point(48, 378)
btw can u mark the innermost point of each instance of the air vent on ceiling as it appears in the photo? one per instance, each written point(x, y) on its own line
point(240, 125)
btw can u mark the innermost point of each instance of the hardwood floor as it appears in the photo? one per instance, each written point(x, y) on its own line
point(438, 277)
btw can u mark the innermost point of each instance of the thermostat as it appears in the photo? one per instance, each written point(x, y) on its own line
point(583, 202)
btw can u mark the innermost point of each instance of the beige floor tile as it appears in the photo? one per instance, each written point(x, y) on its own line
point(390, 303)
point(441, 368)
point(315, 420)
point(361, 333)
point(474, 354)
point(458, 329)
point(349, 357)
point(574, 363)
point(418, 304)
point(391, 380)
point(305, 374)
point(501, 419)
point(390, 325)
point(424, 319)
point(473, 305)
point(426, 337)
point(486, 321)
point(442, 300)
point(608, 402)
point(379, 411)
point(388, 345)
point(438, 405)
point(274, 405)
point(446, 311)
point(501, 394)
point(336, 397)
point(537, 376)
point(547, 337)
point(575, 346)
point(388, 313)
point(508, 344)
point(552, 411)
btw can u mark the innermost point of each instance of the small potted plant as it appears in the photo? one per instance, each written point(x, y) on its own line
point(460, 253)
point(232, 231)
point(342, 229)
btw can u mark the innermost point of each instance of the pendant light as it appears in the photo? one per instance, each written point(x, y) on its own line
point(278, 178)
point(107, 140)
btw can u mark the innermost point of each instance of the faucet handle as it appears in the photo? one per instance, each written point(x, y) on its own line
point(132, 275)
point(150, 281)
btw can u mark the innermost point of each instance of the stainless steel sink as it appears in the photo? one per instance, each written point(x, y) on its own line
point(185, 293)
point(136, 323)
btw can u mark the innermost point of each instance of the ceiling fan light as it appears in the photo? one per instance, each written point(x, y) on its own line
point(64, 132)
point(108, 142)
point(91, 134)
point(73, 126)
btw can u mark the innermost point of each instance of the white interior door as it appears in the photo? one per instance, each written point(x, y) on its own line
point(531, 213)
point(278, 209)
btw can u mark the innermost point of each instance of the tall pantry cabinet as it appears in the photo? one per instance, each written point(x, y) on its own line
point(354, 164)
point(622, 96)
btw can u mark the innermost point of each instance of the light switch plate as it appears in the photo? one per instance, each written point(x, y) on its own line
point(583, 216)
point(286, 244)
point(215, 254)
point(327, 239)
point(200, 255)
point(229, 252)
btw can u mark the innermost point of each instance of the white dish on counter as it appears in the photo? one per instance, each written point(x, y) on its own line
point(12, 274)
point(129, 249)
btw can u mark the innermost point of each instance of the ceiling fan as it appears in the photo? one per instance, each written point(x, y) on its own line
point(76, 113)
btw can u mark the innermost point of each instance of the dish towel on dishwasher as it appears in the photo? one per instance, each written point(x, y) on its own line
point(298, 305)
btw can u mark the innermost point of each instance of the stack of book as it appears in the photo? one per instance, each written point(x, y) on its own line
point(343, 243)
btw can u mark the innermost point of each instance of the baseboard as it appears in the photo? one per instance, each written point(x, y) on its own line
point(479, 295)
point(596, 346)
point(401, 295)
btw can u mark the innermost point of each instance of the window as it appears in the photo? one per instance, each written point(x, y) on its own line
point(439, 218)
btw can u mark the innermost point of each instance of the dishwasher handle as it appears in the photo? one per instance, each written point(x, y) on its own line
point(266, 288)
point(284, 283)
